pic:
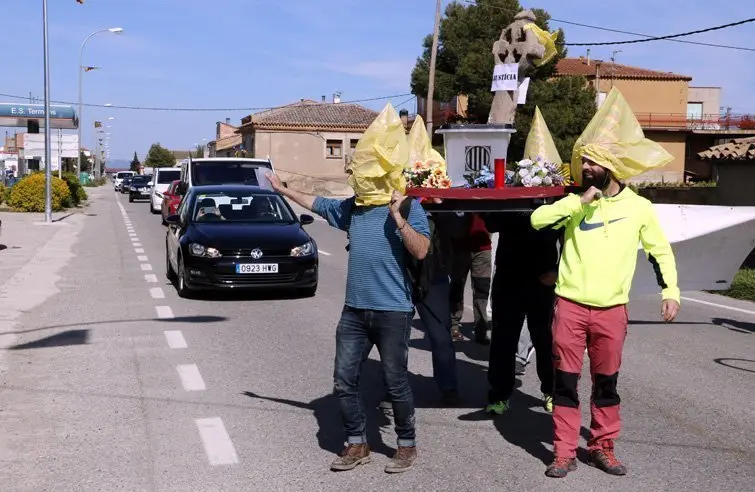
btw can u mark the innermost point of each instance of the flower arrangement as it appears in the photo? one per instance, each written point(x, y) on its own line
point(539, 173)
point(427, 174)
point(484, 178)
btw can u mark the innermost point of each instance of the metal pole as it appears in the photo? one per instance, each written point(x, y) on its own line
point(60, 153)
point(48, 167)
point(431, 75)
point(78, 157)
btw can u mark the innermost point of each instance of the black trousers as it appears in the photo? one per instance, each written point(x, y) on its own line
point(512, 302)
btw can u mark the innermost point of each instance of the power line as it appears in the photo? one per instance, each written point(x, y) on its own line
point(147, 108)
point(619, 31)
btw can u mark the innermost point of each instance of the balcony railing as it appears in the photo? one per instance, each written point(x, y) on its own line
point(676, 121)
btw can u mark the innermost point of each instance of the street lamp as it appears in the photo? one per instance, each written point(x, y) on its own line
point(114, 30)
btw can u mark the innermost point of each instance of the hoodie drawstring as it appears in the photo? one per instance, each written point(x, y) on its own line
point(603, 215)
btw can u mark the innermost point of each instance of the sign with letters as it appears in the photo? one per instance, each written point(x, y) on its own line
point(505, 77)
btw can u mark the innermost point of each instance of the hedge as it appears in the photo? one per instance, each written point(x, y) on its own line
point(3, 190)
point(78, 193)
point(28, 194)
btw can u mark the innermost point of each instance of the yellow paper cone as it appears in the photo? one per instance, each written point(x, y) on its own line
point(420, 147)
point(379, 160)
point(614, 140)
point(540, 144)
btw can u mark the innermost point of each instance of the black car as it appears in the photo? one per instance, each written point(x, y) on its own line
point(139, 188)
point(239, 237)
point(125, 185)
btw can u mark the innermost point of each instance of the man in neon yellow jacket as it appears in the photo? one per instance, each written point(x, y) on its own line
point(603, 228)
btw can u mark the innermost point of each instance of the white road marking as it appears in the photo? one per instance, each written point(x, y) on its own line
point(132, 234)
point(164, 312)
point(157, 293)
point(323, 252)
point(142, 258)
point(138, 250)
point(137, 245)
point(191, 380)
point(134, 239)
point(146, 267)
point(175, 339)
point(217, 443)
point(722, 306)
point(151, 278)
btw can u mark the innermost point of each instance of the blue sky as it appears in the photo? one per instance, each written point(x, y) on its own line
point(259, 53)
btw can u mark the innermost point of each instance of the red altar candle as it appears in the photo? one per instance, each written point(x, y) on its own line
point(500, 173)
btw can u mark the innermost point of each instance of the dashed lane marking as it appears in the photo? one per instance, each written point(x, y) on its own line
point(137, 245)
point(138, 250)
point(151, 278)
point(217, 443)
point(164, 312)
point(142, 258)
point(146, 267)
point(191, 379)
point(175, 339)
point(157, 293)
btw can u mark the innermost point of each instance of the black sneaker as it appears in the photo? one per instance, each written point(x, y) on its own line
point(450, 398)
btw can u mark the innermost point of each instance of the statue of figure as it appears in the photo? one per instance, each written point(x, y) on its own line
point(516, 45)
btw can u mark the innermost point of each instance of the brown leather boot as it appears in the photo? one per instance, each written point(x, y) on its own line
point(351, 457)
point(403, 460)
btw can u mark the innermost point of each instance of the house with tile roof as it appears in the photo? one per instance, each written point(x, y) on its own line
point(733, 162)
point(684, 120)
point(227, 141)
point(309, 142)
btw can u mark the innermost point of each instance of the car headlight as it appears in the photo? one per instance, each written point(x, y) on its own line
point(199, 250)
point(133, 188)
point(305, 249)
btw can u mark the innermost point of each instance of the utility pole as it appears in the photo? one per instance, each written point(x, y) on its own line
point(431, 78)
point(48, 170)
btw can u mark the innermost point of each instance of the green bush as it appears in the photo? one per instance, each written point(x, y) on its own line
point(93, 183)
point(743, 285)
point(3, 190)
point(28, 195)
point(78, 194)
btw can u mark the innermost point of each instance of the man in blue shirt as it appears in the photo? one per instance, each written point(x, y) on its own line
point(378, 310)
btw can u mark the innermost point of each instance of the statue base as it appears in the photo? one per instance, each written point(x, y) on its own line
point(470, 147)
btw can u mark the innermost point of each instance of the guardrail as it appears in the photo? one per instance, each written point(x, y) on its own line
point(702, 122)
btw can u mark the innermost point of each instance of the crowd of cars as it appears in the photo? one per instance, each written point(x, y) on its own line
point(226, 227)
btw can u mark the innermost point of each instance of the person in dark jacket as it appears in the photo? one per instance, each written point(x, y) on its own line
point(526, 266)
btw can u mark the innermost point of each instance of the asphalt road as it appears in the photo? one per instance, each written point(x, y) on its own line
point(115, 383)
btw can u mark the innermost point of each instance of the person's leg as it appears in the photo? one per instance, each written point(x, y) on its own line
point(569, 339)
point(391, 332)
point(508, 317)
point(436, 321)
point(539, 324)
point(352, 346)
point(608, 330)
point(460, 264)
point(481, 271)
point(523, 352)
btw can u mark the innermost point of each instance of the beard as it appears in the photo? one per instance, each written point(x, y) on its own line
point(597, 179)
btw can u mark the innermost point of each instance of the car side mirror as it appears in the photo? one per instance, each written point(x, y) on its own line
point(174, 219)
point(306, 219)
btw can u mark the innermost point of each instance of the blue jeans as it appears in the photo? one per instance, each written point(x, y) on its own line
point(435, 314)
point(358, 330)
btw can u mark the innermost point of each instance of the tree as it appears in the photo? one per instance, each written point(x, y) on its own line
point(159, 156)
point(465, 66)
point(135, 164)
point(199, 152)
point(85, 163)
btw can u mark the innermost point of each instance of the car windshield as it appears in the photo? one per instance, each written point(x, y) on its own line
point(140, 180)
point(123, 175)
point(165, 176)
point(224, 172)
point(241, 206)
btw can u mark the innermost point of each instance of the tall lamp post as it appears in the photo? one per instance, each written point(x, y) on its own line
point(114, 30)
point(48, 163)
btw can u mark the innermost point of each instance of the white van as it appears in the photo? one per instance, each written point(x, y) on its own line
point(221, 170)
point(162, 177)
point(119, 177)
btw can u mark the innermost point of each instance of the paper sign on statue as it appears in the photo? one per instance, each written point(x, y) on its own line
point(523, 91)
point(505, 77)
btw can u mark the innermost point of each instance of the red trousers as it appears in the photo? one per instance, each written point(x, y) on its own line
point(602, 331)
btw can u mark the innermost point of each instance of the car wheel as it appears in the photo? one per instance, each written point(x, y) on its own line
point(181, 286)
point(130, 199)
point(170, 274)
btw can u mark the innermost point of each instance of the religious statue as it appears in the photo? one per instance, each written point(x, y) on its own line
point(519, 43)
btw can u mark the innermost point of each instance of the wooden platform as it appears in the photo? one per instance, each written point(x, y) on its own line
point(510, 199)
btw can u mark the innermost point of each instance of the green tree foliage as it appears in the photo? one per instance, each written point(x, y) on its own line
point(199, 152)
point(159, 156)
point(84, 160)
point(465, 66)
point(135, 163)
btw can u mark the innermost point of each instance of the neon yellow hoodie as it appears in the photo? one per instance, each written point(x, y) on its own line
point(600, 247)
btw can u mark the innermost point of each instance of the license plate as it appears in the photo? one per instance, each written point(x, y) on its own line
point(257, 268)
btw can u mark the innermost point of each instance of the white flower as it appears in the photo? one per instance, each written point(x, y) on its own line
point(525, 163)
point(537, 181)
point(524, 172)
point(547, 181)
point(527, 181)
point(537, 169)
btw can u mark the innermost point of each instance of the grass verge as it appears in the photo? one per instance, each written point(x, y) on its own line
point(743, 286)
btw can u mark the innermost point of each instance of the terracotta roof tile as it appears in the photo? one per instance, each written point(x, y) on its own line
point(737, 149)
point(228, 142)
point(309, 114)
point(579, 66)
